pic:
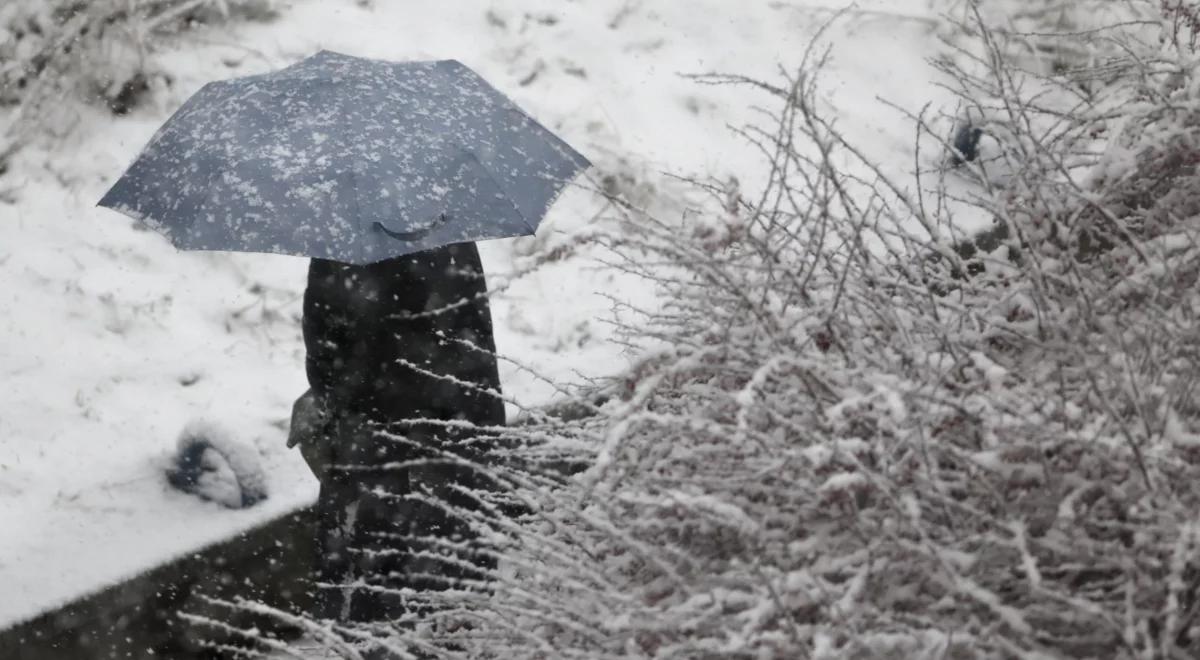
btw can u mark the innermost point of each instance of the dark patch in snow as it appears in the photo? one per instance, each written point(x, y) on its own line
point(211, 465)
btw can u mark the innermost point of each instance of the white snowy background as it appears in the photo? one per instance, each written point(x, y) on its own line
point(111, 341)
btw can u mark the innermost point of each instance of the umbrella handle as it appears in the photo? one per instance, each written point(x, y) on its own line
point(415, 234)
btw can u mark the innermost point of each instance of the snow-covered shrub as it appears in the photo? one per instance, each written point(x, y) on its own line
point(1083, 42)
point(836, 446)
point(1101, 146)
point(1049, 36)
point(1147, 180)
point(99, 50)
point(831, 460)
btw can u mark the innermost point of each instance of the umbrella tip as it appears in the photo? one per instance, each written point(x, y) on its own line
point(326, 53)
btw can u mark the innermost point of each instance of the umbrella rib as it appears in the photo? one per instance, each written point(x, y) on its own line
point(492, 177)
point(202, 201)
point(344, 141)
point(362, 249)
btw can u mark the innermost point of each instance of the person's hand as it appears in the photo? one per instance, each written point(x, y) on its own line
point(309, 430)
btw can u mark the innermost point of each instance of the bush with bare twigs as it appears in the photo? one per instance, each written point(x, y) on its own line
point(97, 50)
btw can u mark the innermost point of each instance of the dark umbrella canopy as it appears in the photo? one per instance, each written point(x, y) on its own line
point(348, 159)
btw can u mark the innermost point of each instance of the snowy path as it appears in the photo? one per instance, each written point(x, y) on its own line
point(111, 340)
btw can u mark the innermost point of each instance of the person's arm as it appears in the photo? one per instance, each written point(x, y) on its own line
point(340, 327)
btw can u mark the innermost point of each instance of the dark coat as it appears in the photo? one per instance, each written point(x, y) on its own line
point(378, 337)
point(371, 330)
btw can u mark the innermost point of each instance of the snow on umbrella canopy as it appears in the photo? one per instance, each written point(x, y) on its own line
point(348, 159)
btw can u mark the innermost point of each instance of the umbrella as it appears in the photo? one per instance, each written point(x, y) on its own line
point(349, 159)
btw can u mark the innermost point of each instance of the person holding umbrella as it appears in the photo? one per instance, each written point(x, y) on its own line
point(400, 355)
point(384, 174)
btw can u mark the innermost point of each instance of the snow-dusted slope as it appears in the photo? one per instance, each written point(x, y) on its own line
point(111, 341)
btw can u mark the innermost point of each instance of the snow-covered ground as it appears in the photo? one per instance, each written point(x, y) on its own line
point(111, 341)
